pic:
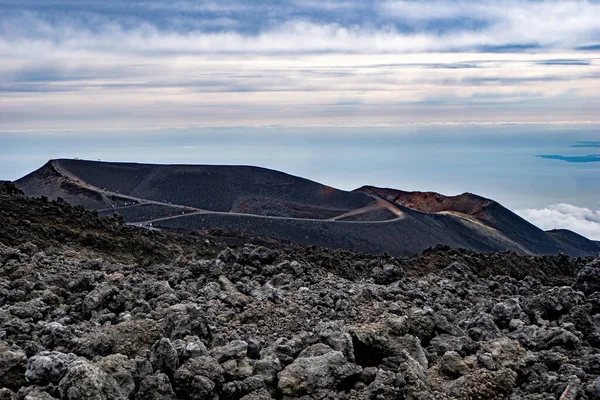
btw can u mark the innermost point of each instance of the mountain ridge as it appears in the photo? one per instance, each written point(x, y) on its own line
point(279, 205)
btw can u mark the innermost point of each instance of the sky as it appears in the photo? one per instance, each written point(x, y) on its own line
point(507, 90)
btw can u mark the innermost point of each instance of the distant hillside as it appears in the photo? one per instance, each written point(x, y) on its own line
point(218, 188)
point(493, 215)
point(273, 204)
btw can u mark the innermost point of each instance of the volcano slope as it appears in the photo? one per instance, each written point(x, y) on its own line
point(273, 204)
point(91, 308)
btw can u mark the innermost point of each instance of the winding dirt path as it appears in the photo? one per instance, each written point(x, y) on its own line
point(105, 193)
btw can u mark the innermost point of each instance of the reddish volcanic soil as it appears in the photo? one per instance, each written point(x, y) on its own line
point(431, 202)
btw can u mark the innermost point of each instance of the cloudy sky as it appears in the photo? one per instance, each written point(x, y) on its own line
point(82, 66)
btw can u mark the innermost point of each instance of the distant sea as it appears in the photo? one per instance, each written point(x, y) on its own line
point(502, 162)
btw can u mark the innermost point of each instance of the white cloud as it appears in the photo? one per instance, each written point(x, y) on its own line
point(293, 70)
point(582, 220)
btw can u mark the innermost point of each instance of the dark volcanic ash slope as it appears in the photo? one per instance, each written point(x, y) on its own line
point(284, 207)
point(283, 322)
point(401, 237)
point(216, 188)
point(491, 214)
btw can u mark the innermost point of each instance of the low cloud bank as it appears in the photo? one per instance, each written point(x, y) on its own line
point(582, 220)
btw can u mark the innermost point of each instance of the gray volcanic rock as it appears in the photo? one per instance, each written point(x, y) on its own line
point(198, 377)
point(12, 366)
point(258, 323)
point(453, 365)
point(588, 279)
point(86, 381)
point(48, 367)
point(164, 357)
point(156, 387)
point(310, 374)
point(123, 370)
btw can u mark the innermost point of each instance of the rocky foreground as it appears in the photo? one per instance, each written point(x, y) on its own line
point(112, 316)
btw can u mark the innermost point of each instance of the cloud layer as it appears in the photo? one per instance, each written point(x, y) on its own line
point(584, 221)
point(89, 64)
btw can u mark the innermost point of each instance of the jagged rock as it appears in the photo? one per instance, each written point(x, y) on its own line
point(197, 378)
point(268, 367)
point(386, 385)
point(571, 392)
point(103, 296)
point(453, 365)
point(34, 393)
point(335, 336)
point(12, 367)
point(310, 374)
point(48, 367)
point(505, 311)
point(156, 387)
point(85, 381)
point(482, 327)
point(254, 348)
point(7, 394)
point(553, 303)
point(237, 389)
point(373, 346)
point(595, 390)
point(588, 279)
point(121, 369)
point(93, 344)
point(55, 335)
point(164, 357)
point(237, 370)
point(183, 320)
point(543, 338)
point(505, 353)
point(189, 347)
point(233, 350)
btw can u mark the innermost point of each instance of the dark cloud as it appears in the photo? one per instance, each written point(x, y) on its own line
point(510, 48)
point(586, 144)
point(564, 62)
point(592, 47)
point(572, 159)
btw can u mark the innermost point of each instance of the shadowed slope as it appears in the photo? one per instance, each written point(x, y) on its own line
point(281, 206)
point(48, 182)
point(219, 188)
point(491, 214)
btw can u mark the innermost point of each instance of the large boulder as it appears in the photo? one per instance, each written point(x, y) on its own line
point(588, 279)
point(85, 381)
point(553, 303)
point(48, 367)
point(309, 375)
point(164, 357)
point(156, 387)
point(234, 350)
point(505, 311)
point(56, 336)
point(121, 369)
point(12, 367)
point(197, 378)
point(183, 320)
point(453, 365)
point(482, 327)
